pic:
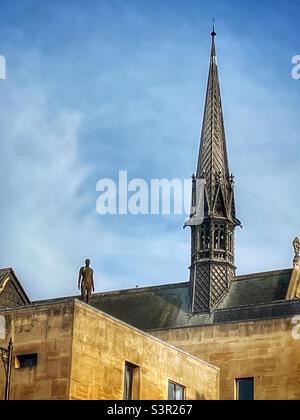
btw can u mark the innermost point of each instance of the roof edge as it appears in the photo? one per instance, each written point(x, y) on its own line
point(121, 291)
point(262, 274)
point(243, 277)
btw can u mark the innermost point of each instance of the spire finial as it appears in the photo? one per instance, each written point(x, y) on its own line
point(213, 34)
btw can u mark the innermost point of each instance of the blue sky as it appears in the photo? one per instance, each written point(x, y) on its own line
point(94, 87)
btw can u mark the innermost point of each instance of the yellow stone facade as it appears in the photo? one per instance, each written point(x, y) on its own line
point(265, 350)
point(82, 354)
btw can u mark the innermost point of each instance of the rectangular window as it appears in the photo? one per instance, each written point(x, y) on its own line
point(245, 389)
point(131, 383)
point(176, 391)
point(26, 361)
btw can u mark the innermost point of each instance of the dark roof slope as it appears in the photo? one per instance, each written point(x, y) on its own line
point(146, 308)
point(258, 288)
point(255, 296)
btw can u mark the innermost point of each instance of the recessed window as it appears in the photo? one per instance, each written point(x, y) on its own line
point(131, 382)
point(219, 235)
point(176, 391)
point(26, 361)
point(245, 389)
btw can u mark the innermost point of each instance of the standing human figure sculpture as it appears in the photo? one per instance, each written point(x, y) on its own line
point(86, 281)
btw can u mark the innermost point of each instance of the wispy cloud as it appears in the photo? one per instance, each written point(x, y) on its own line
point(120, 85)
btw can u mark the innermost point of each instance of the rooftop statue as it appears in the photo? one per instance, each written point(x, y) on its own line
point(86, 281)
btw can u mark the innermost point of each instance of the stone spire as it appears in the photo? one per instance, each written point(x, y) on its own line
point(212, 266)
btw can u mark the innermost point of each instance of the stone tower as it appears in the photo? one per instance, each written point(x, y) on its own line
point(212, 262)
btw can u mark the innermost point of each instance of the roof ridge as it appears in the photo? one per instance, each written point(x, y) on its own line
point(142, 289)
point(261, 274)
point(116, 292)
point(4, 270)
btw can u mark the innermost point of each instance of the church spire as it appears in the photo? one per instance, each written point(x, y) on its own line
point(212, 265)
point(213, 161)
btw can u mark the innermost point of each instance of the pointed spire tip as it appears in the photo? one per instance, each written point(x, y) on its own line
point(213, 34)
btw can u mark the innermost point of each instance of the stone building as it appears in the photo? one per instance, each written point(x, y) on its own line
point(243, 325)
point(69, 350)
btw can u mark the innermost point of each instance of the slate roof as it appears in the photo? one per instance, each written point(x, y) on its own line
point(3, 274)
point(251, 297)
point(6, 273)
point(258, 288)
